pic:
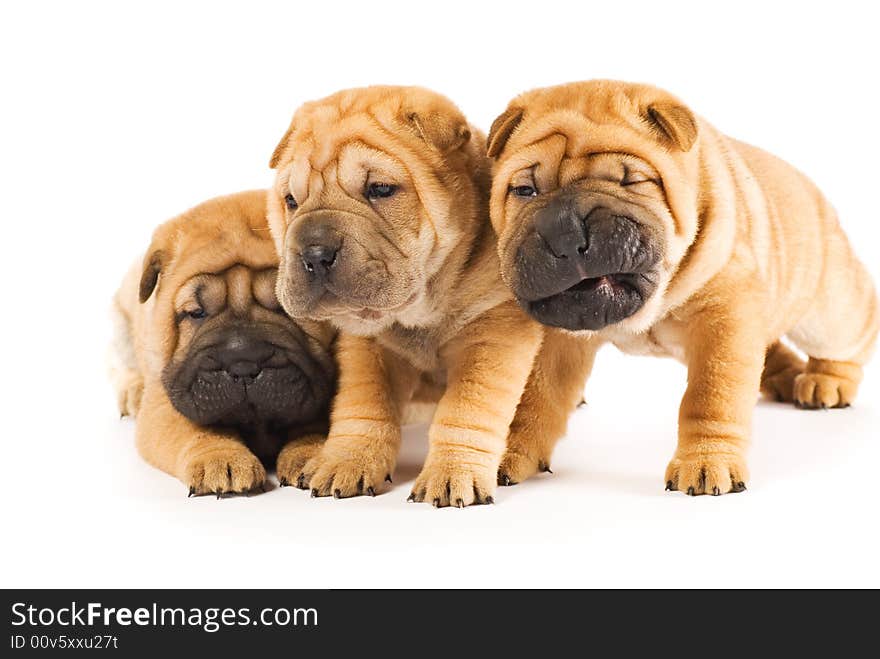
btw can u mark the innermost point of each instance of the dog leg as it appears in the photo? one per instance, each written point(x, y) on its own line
point(724, 358)
point(129, 390)
point(839, 330)
point(124, 372)
point(207, 461)
point(361, 449)
point(488, 367)
point(555, 387)
point(781, 366)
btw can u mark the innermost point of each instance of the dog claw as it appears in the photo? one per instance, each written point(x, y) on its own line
point(691, 492)
point(459, 503)
point(301, 482)
point(505, 480)
point(314, 492)
point(192, 492)
point(388, 478)
point(411, 498)
point(669, 486)
point(371, 491)
point(282, 482)
point(543, 466)
point(337, 494)
point(715, 491)
point(436, 502)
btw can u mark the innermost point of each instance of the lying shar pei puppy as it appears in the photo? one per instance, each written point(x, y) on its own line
point(217, 375)
point(379, 212)
point(623, 217)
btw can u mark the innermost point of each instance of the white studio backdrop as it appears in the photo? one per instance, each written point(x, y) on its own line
point(116, 117)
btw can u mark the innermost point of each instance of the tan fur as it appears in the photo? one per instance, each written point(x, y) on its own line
point(223, 248)
point(436, 318)
point(753, 252)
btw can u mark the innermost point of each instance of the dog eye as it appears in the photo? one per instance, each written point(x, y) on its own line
point(380, 190)
point(291, 202)
point(197, 314)
point(635, 177)
point(523, 191)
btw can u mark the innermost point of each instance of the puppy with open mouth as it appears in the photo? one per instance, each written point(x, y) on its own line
point(379, 213)
point(624, 217)
point(221, 381)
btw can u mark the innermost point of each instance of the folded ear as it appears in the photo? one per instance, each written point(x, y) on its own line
point(674, 124)
point(276, 154)
point(501, 130)
point(444, 128)
point(153, 263)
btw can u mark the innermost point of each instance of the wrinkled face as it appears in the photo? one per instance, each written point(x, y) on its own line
point(239, 360)
point(357, 242)
point(374, 189)
point(583, 240)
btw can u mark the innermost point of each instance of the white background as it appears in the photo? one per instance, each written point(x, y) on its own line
point(116, 118)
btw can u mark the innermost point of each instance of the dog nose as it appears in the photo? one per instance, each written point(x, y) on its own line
point(243, 357)
point(563, 230)
point(318, 259)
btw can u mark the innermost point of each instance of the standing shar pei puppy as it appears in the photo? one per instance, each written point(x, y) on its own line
point(217, 375)
point(624, 217)
point(379, 212)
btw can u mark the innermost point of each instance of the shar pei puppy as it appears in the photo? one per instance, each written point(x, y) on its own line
point(623, 217)
point(219, 378)
point(380, 214)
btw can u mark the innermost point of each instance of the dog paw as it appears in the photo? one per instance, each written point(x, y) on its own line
point(224, 471)
point(348, 473)
point(516, 467)
point(290, 466)
point(781, 366)
point(821, 391)
point(451, 482)
point(128, 397)
point(707, 474)
point(780, 386)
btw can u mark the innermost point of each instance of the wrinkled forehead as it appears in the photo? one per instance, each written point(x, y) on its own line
point(322, 131)
point(220, 246)
point(333, 148)
point(560, 170)
point(571, 134)
point(218, 253)
point(237, 287)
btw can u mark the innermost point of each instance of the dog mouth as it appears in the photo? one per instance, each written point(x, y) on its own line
point(369, 314)
point(275, 395)
point(607, 285)
point(287, 388)
point(585, 265)
point(594, 302)
point(365, 313)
